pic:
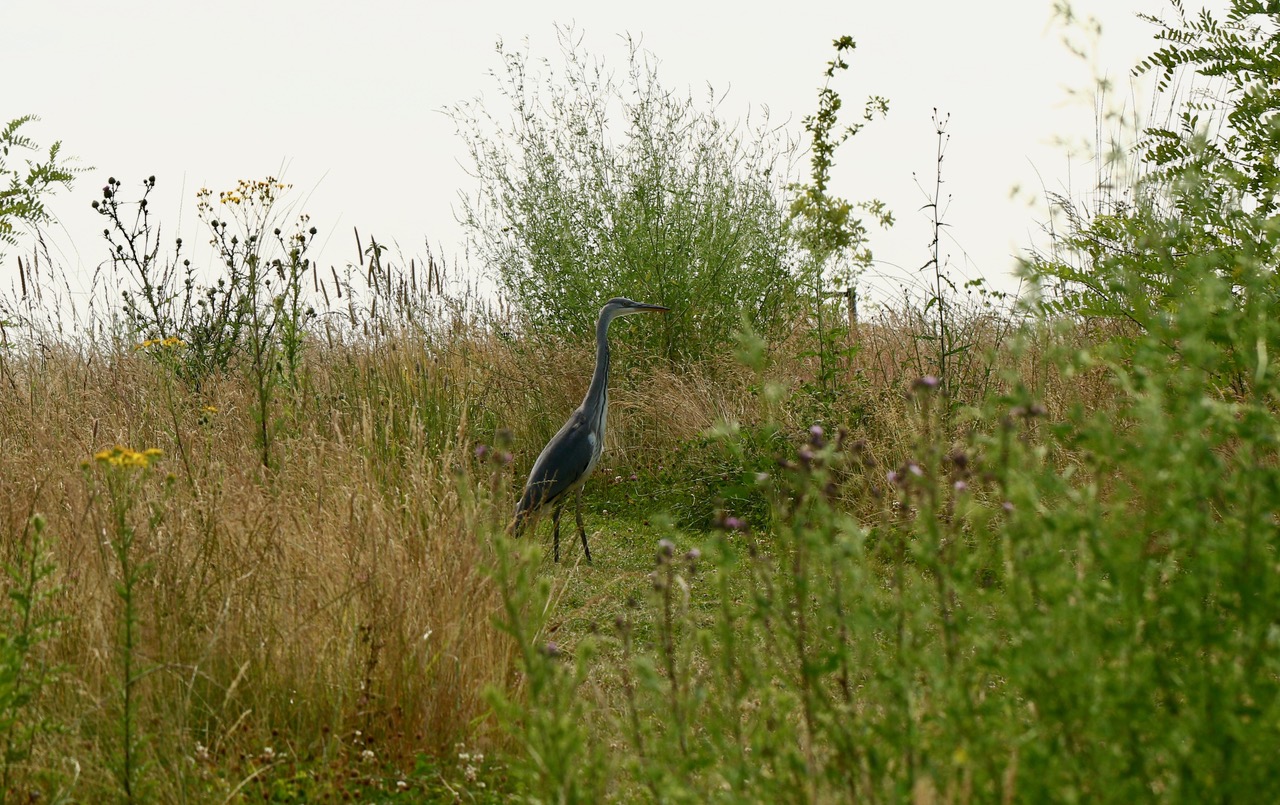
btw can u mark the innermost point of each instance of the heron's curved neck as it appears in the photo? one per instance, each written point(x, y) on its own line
point(598, 392)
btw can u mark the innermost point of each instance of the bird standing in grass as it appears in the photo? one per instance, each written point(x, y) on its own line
point(568, 459)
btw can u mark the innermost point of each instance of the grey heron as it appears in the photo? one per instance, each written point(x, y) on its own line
point(566, 462)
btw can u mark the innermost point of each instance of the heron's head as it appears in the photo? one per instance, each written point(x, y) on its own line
point(621, 306)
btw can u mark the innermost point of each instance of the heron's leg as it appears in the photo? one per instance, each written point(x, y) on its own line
point(555, 519)
point(582, 532)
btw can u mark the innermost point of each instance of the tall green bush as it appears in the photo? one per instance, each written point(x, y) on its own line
point(593, 186)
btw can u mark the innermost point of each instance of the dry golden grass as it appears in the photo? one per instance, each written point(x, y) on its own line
point(342, 591)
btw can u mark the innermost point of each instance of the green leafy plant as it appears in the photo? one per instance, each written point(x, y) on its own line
point(674, 205)
point(119, 475)
point(557, 759)
point(24, 673)
point(827, 227)
point(23, 193)
point(1205, 187)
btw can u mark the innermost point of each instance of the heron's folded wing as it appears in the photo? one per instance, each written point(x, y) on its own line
point(561, 465)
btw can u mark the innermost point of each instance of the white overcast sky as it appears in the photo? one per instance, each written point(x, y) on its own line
point(346, 99)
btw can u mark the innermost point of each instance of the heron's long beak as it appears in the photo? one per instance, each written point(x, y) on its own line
point(643, 308)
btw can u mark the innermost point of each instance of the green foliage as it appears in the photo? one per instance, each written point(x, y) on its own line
point(118, 477)
point(825, 225)
point(24, 675)
point(1204, 203)
point(23, 194)
point(677, 208)
point(1076, 609)
point(1079, 609)
point(834, 239)
point(557, 760)
point(704, 477)
point(1237, 54)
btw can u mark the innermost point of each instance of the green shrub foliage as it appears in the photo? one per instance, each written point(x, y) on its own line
point(1203, 206)
point(23, 193)
point(597, 186)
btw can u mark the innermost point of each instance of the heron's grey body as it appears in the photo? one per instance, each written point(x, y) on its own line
point(572, 454)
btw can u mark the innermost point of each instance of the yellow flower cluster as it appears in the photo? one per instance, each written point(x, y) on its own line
point(120, 456)
point(172, 342)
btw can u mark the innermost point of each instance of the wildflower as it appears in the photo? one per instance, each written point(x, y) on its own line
point(211, 409)
point(691, 558)
point(172, 342)
point(665, 549)
point(120, 456)
point(401, 785)
point(367, 756)
point(926, 383)
point(960, 486)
